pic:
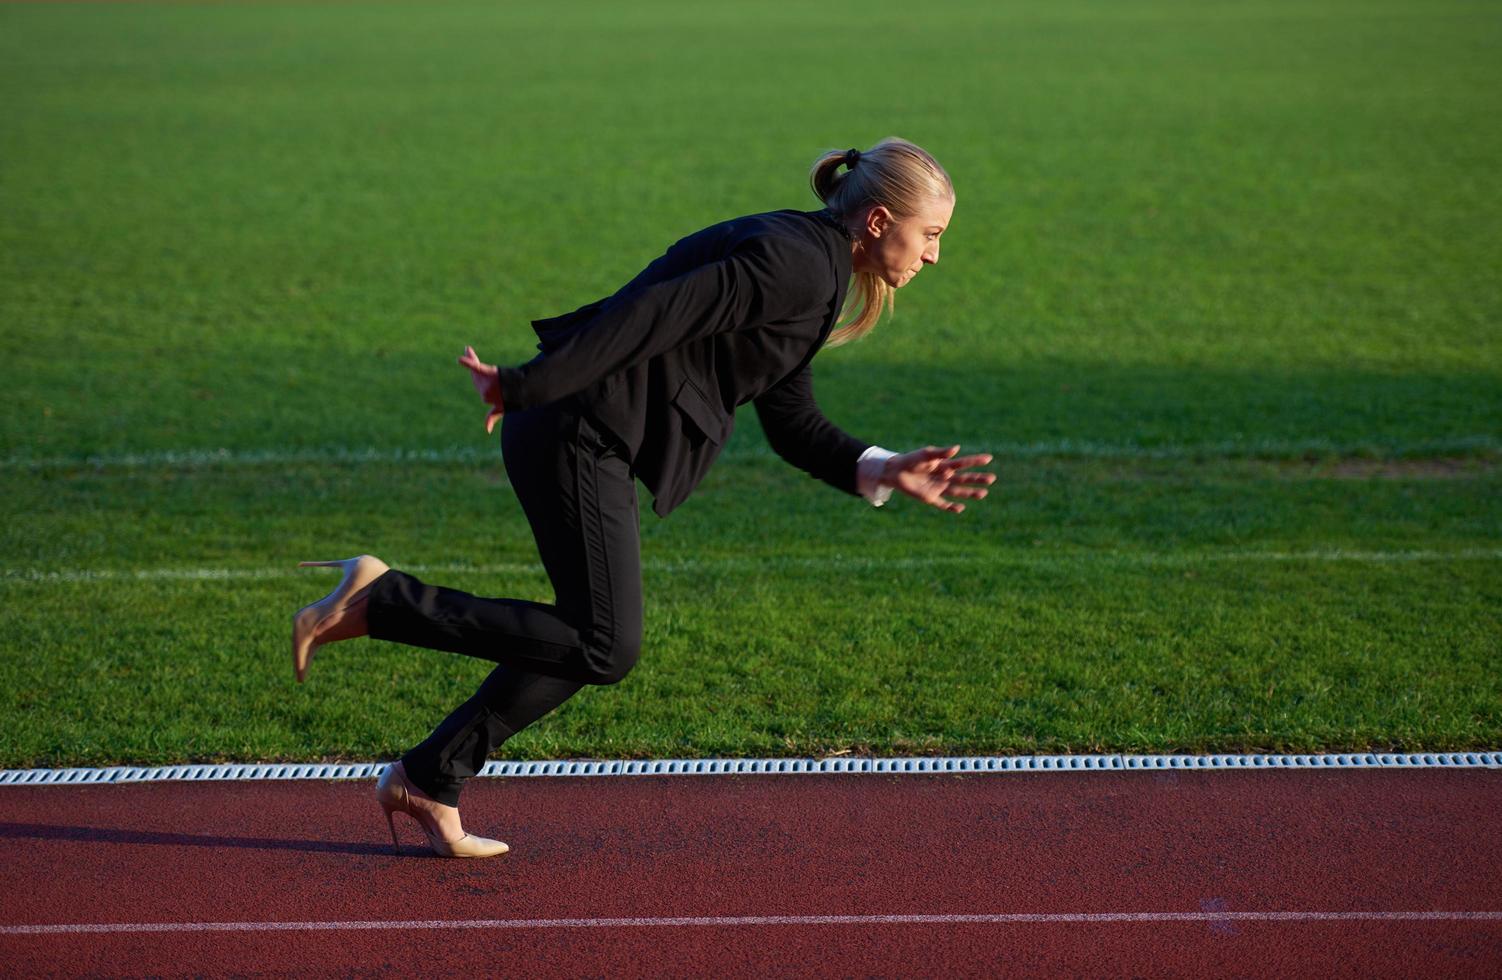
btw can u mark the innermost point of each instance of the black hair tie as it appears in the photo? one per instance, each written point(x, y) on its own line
point(852, 157)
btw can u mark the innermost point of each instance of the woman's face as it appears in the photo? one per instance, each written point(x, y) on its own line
point(896, 249)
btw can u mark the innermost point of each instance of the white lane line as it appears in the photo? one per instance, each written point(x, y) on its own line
point(749, 920)
point(491, 452)
point(835, 561)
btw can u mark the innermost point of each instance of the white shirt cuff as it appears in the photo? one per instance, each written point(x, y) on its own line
point(868, 470)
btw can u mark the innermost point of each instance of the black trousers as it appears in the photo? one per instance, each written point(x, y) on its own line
point(578, 493)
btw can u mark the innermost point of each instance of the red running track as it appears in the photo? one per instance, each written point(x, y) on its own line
point(1064, 855)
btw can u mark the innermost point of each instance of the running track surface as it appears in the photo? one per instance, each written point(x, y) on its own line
point(1062, 856)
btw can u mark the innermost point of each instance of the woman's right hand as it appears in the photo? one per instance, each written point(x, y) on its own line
point(487, 382)
point(933, 474)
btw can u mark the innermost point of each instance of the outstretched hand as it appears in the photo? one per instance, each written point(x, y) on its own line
point(933, 473)
point(485, 376)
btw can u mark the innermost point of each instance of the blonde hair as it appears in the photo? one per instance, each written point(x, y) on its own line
point(895, 174)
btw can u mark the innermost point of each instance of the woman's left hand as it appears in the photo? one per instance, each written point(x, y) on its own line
point(933, 473)
point(485, 376)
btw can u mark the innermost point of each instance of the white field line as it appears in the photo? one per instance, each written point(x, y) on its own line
point(774, 562)
point(749, 920)
point(491, 453)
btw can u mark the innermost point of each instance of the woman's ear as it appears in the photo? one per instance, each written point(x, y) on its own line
point(878, 221)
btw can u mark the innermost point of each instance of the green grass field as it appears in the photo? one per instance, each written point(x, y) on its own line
point(1220, 293)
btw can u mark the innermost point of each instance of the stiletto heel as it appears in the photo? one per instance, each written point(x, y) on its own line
point(359, 572)
point(392, 794)
point(395, 845)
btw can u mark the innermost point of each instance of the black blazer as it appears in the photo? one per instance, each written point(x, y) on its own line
point(730, 314)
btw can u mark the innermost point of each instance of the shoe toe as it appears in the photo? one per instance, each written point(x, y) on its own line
point(499, 847)
point(483, 846)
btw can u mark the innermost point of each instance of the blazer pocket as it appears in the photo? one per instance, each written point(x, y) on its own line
point(692, 402)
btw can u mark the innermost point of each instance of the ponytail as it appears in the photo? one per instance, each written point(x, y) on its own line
point(895, 174)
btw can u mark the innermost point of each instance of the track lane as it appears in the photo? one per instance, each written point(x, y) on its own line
point(673, 846)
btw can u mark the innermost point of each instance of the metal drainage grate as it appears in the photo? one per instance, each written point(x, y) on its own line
point(714, 767)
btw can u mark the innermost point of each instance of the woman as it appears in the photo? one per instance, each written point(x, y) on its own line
point(644, 385)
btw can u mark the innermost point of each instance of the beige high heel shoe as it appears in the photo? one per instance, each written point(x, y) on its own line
point(392, 793)
point(359, 572)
